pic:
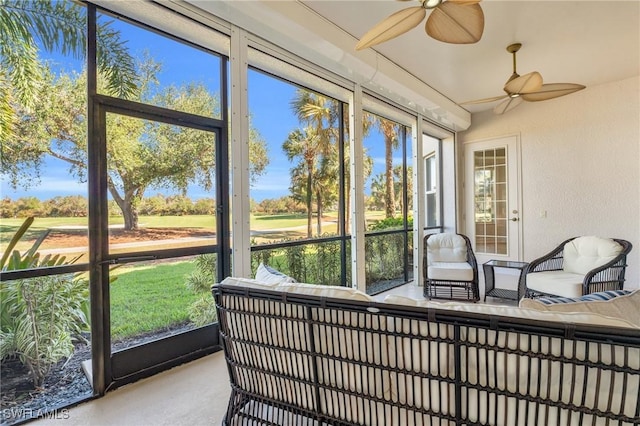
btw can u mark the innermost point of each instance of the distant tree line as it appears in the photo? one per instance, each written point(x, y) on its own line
point(77, 206)
point(161, 205)
point(286, 204)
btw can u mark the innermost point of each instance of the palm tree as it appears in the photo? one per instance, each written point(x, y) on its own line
point(303, 144)
point(57, 26)
point(325, 183)
point(390, 130)
point(321, 114)
point(378, 188)
point(377, 191)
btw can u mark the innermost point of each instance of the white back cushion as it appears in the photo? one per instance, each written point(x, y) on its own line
point(583, 254)
point(446, 247)
point(588, 318)
point(249, 282)
point(324, 291)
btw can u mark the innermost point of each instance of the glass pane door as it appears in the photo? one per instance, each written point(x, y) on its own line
point(163, 201)
point(490, 200)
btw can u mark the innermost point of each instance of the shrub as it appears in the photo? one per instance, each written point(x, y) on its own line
point(203, 310)
point(389, 223)
point(40, 316)
point(384, 258)
point(318, 263)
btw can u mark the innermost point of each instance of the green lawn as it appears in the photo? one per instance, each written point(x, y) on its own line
point(285, 226)
point(276, 221)
point(258, 222)
point(149, 297)
point(191, 221)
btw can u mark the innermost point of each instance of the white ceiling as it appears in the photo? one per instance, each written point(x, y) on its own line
point(584, 42)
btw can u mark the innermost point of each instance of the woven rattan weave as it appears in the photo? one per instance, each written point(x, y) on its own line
point(609, 276)
point(306, 360)
point(449, 289)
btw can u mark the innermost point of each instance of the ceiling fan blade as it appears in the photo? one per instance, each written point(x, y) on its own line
point(392, 26)
point(552, 90)
point(464, 1)
point(457, 1)
point(508, 104)
point(456, 23)
point(481, 101)
point(527, 83)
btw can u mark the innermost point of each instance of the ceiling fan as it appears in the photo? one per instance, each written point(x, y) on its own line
point(527, 87)
point(450, 21)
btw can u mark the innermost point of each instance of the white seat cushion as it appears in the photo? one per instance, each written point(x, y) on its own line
point(450, 271)
point(560, 283)
point(583, 254)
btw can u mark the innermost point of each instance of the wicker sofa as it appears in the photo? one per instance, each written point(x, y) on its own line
point(301, 354)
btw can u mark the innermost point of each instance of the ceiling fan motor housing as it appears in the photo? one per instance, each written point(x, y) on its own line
point(528, 87)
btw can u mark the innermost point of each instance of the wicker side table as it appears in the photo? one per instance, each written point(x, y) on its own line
point(490, 280)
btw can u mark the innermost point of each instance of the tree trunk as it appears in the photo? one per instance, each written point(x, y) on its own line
point(130, 215)
point(128, 206)
point(319, 221)
point(347, 210)
point(389, 198)
point(347, 200)
point(309, 208)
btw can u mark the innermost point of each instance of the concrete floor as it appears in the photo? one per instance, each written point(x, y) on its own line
point(192, 394)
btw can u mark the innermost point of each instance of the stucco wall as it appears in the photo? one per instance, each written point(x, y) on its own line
point(580, 163)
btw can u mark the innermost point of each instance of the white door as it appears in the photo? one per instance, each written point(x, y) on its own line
point(492, 204)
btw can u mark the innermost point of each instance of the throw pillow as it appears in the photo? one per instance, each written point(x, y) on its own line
point(621, 304)
point(270, 275)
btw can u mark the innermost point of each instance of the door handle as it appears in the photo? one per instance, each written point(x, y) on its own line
point(514, 219)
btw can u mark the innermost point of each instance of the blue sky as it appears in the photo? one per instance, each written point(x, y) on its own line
point(269, 100)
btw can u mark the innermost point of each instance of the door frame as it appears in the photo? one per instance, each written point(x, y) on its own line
point(113, 368)
point(514, 160)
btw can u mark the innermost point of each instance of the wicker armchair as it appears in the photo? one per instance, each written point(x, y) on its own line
point(578, 266)
point(450, 268)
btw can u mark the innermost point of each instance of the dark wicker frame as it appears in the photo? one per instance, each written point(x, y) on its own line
point(452, 290)
point(609, 276)
point(297, 359)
